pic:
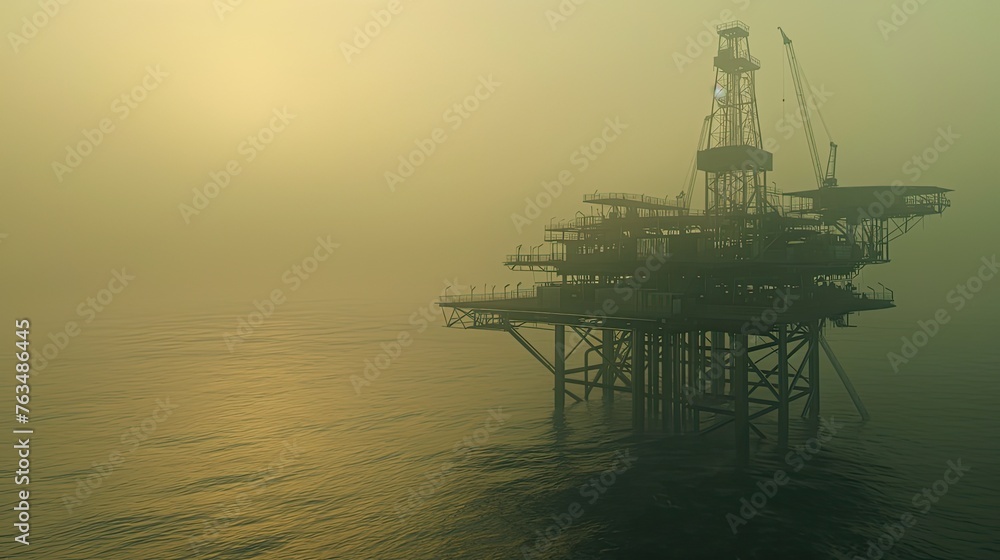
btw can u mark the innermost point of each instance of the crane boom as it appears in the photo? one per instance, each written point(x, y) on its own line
point(829, 178)
point(831, 168)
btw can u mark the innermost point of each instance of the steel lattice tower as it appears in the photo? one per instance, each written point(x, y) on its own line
point(734, 161)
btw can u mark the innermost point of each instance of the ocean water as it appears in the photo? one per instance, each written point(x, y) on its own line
point(156, 440)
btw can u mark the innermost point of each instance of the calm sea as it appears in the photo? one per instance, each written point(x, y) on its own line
point(156, 440)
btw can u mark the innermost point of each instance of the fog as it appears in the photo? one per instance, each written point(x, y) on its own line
point(200, 78)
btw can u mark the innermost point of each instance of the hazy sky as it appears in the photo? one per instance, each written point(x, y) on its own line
point(199, 79)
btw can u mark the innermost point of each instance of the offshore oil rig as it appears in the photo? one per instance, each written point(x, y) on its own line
point(709, 318)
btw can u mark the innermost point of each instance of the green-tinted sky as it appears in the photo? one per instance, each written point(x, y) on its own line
point(227, 71)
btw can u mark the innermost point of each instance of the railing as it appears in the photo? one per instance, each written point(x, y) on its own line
point(936, 201)
point(562, 283)
point(534, 258)
point(868, 293)
point(528, 293)
point(578, 222)
point(735, 24)
point(797, 203)
point(628, 196)
point(559, 236)
point(885, 294)
point(650, 303)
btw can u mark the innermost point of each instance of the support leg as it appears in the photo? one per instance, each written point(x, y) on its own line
point(680, 395)
point(783, 386)
point(654, 375)
point(608, 373)
point(843, 377)
point(560, 368)
point(718, 372)
point(814, 399)
point(668, 381)
point(742, 405)
point(638, 376)
point(697, 383)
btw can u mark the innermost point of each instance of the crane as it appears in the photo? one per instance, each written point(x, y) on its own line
point(823, 180)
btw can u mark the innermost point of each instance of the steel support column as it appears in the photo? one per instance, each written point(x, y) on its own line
point(666, 367)
point(680, 395)
point(638, 376)
point(695, 356)
point(782, 385)
point(718, 361)
point(609, 353)
point(814, 395)
point(560, 368)
point(654, 374)
point(846, 380)
point(741, 412)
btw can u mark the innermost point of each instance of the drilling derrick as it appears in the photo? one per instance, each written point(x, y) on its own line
point(708, 320)
point(735, 162)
